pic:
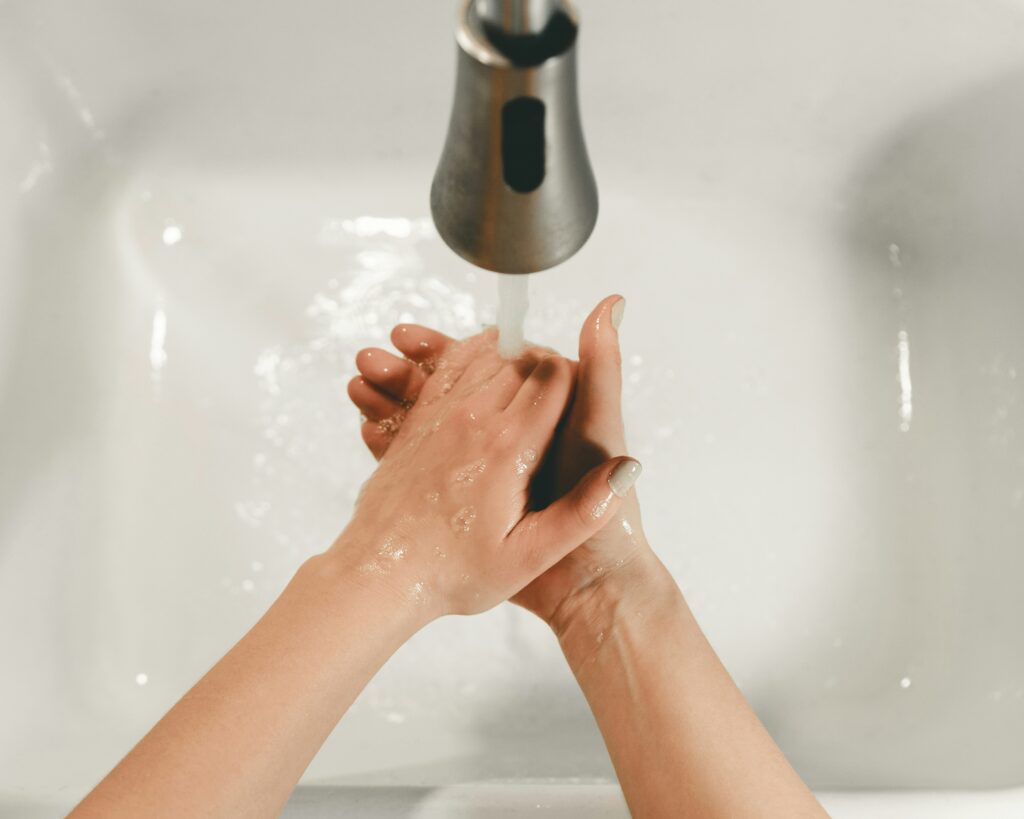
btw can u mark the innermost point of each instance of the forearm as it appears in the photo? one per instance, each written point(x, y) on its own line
point(682, 737)
point(236, 744)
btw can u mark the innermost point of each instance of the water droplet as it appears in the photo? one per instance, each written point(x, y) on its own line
point(468, 474)
point(524, 461)
point(141, 679)
point(600, 509)
point(905, 683)
point(390, 426)
point(462, 520)
point(392, 550)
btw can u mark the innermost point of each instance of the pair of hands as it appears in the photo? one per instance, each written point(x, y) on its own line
point(498, 478)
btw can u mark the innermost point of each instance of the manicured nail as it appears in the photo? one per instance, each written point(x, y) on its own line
point(624, 476)
point(617, 310)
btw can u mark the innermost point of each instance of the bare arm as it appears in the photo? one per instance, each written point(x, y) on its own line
point(442, 527)
point(236, 744)
point(682, 737)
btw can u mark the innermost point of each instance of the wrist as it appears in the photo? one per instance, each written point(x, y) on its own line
point(341, 579)
point(637, 596)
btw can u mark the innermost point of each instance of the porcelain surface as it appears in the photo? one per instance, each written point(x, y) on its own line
point(813, 210)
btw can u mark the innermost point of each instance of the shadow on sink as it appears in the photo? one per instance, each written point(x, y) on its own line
point(935, 231)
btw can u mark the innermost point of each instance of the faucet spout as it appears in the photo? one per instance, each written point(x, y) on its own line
point(514, 191)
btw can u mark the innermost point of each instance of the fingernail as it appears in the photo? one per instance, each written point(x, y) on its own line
point(617, 310)
point(624, 476)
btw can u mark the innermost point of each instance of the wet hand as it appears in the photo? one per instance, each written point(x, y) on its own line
point(592, 433)
point(446, 520)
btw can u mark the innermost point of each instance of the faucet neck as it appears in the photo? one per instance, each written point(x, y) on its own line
point(521, 17)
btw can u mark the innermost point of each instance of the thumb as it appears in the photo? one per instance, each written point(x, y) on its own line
point(578, 515)
point(599, 381)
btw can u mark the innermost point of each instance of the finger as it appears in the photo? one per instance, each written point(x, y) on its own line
point(547, 536)
point(378, 435)
point(451, 366)
point(420, 344)
point(542, 398)
point(484, 366)
point(370, 401)
point(599, 380)
point(493, 380)
point(497, 393)
point(400, 379)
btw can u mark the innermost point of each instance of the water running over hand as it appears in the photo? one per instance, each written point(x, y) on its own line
point(513, 302)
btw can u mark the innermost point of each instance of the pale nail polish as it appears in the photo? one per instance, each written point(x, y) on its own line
point(624, 476)
point(617, 310)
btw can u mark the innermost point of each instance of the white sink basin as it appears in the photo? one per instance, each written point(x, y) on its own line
point(814, 212)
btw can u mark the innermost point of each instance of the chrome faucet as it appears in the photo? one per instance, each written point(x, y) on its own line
point(514, 191)
point(518, 16)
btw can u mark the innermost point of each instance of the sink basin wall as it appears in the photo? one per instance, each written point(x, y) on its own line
point(812, 212)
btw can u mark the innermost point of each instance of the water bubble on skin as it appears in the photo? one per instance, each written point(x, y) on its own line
point(390, 426)
point(433, 497)
point(372, 567)
point(462, 521)
point(524, 460)
point(600, 509)
point(469, 473)
point(392, 551)
point(428, 365)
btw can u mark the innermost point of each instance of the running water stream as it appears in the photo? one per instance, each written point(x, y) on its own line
point(513, 302)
